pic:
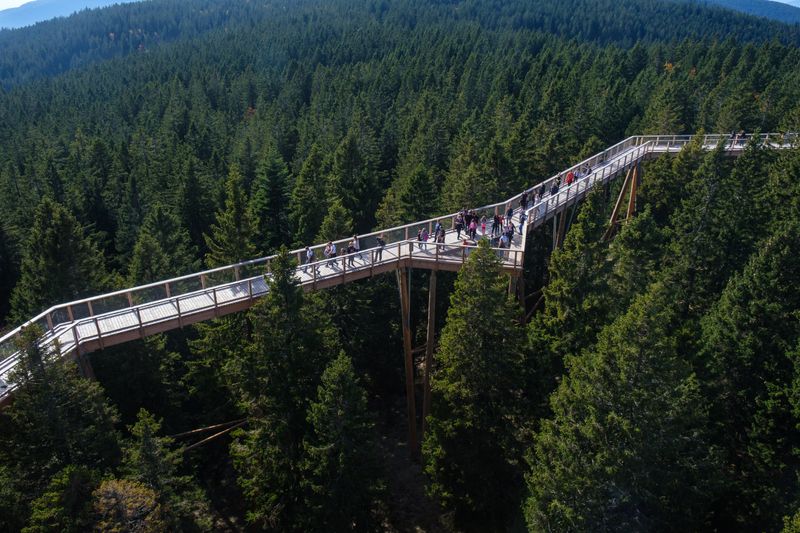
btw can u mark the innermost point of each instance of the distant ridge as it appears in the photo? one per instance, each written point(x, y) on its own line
point(40, 10)
point(783, 12)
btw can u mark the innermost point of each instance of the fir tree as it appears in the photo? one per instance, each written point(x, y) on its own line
point(274, 380)
point(625, 446)
point(269, 202)
point(470, 448)
point(231, 237)
point(306, 208)
point(340, 467)
point(58, 263)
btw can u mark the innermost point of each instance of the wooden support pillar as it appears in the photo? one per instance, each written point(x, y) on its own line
point(613, 221)
point(426, 398)
point(84, 365)
point(405, 310)
point(632, 199)
point(562, 227)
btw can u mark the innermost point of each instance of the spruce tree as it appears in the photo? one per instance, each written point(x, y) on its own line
point(355, 177)
point(269, 202)
point(470, 448)
point(306, 208)
point(232, 234)
point(66, 503)
point(59, 263)
point(151, 460)
point(337, 223)
point(340, 468)
point(57, 419)
point(274, 380)
point(194, 205)
point(625, 446)
point(748, 339)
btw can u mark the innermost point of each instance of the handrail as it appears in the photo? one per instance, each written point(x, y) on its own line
point(673, 141)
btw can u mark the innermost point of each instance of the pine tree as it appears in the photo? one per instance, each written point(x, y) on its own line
point(66, 504)
point(337, 223)
point(470, 448)
point(340, 468)
point(274, 380)
point(58, 418)
point(163, 249)
point(149, 459)
point(59, 263)
point(231, 237)
point(269, 202)
point(747, 343)
point(625, 446)
point(306, 209)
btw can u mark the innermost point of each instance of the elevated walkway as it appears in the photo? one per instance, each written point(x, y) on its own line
point(94, 323)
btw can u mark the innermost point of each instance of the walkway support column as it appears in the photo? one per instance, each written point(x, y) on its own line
point(405, 310)
point(612, 223)
point(84, 364)
point(426, 398)
point(634, 189)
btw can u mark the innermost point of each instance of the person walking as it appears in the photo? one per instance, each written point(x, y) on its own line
point(351, 252)
point(381, 246)
point(330, 254)
point(510, 214)
point(483, 226)
point(357, 246)
point(523, 200)
point(522, 218)
point(310, 260)
point(459, 224)
point(473, 228)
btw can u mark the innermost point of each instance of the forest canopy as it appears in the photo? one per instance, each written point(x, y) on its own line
point(645, 382)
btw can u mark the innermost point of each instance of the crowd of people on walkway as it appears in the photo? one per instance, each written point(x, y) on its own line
point(500, 225)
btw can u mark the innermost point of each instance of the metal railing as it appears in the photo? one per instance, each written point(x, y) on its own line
point(60, 319)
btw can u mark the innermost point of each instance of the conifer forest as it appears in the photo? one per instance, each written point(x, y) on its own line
point(643, 376)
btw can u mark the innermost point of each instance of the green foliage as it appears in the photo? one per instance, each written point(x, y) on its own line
point(59, 263)
point(576, 299)
point(355, 176)
point(121, 505)
point(274, 380)
point(269, 202)
point(337, 223)
point(57, 419)
point(66, 504)
point(625, 447)
point(231, 237)
point(341, 472)
point(306, 210)
point(471, 446)
point(748, 340)
point(150, 460)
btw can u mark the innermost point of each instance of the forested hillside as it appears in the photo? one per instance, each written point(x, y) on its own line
point(652, 387)
point(762, 8)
